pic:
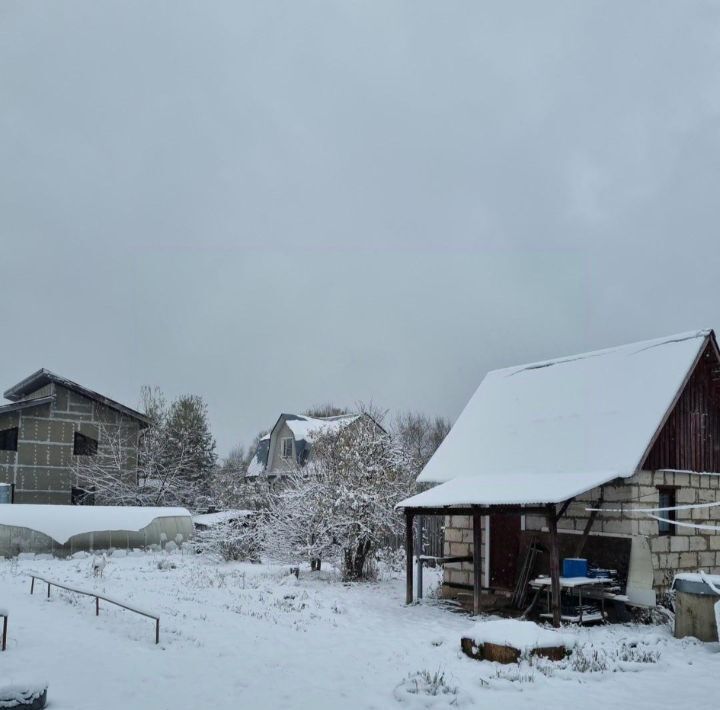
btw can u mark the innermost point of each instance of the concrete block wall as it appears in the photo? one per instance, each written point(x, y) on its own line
point(685, 550)
point(459, 543)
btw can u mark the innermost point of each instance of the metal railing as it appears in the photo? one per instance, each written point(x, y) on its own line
point(98, 597)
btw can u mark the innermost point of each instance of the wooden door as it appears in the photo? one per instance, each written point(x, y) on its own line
point(504, 550)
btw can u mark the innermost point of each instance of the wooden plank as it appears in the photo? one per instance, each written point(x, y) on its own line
point(554, 564)
point(690, 429)
point(477, 566)
point(408, 557)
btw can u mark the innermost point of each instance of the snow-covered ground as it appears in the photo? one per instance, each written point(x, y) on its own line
point(242, 635)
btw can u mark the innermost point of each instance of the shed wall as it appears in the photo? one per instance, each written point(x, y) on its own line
point(687, 550)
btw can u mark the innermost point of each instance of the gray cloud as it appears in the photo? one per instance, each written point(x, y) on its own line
point(279, 204)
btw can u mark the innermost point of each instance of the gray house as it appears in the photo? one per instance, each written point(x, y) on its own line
point(289, 443)
point(50, 425)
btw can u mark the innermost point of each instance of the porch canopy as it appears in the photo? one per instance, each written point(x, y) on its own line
point(536, 435)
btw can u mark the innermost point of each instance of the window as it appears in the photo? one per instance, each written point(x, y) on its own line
point(287, 448)
point(8, 439)
point(667, 500)
point(84, 445)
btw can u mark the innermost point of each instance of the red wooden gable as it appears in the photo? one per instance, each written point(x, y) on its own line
point(689, 440)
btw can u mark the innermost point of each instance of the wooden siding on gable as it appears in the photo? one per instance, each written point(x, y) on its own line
point(690, 438)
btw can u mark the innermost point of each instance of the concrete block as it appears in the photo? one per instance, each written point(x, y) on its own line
point(688, 560)
point(682, 479)
point(661, 543)
point(647, 527)
point(616, 526)
point(714, 541)
point(645, 478)
point(706, 559)
point(686, 495)
point(698, 542)
point(459, 549)
point(679, 544)
point(453, 535)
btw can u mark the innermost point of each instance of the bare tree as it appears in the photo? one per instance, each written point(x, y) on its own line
point(132, 469)
point(420, 436)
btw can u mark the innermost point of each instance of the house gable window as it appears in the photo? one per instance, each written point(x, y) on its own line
point(8, 439)
point(287, 447)
point(84, 445)
point(667, 499)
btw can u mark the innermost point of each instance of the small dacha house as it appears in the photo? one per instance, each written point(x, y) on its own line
point(288, 446)
point(612, 455)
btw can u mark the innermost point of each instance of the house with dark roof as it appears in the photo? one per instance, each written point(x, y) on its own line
point(612, 455)
point(288, 445)
point(52, 423)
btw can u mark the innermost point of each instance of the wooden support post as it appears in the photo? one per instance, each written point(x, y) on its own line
point(419, 549)
point(554, 564)
point(477, 566)
point(97, 606)
point(408, 558)
point(588, 525)
point(157, 631)
point(32, 585)
point(4, 634)
point(48, 590)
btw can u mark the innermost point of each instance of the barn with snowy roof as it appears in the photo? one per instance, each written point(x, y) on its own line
point(613, 456)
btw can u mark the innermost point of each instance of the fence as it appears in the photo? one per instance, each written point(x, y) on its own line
point(98, 597)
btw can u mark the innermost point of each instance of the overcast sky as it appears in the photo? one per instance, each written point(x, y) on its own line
point(278, 204)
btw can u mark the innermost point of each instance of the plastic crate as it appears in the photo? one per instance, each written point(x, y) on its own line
point(575, 567)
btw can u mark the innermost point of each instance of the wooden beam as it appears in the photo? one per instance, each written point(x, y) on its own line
point(588, 525)
point(477, 566)
point(563, 508)
point(408, 557)
point(554, 565)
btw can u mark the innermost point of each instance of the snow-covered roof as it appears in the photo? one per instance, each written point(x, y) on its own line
point(222, 516)
point(308, 429)
point(303, 428)
point(544, 432)
point(255, 467)
point(61, 522)
point(43, 377)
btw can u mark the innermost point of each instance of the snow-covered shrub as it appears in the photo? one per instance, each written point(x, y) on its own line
point(230, 540)
point(619, 655)
point(431, 689)
point(340, 506)
point(391, 561)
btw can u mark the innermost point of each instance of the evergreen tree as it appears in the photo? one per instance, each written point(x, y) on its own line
point(187, 431)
